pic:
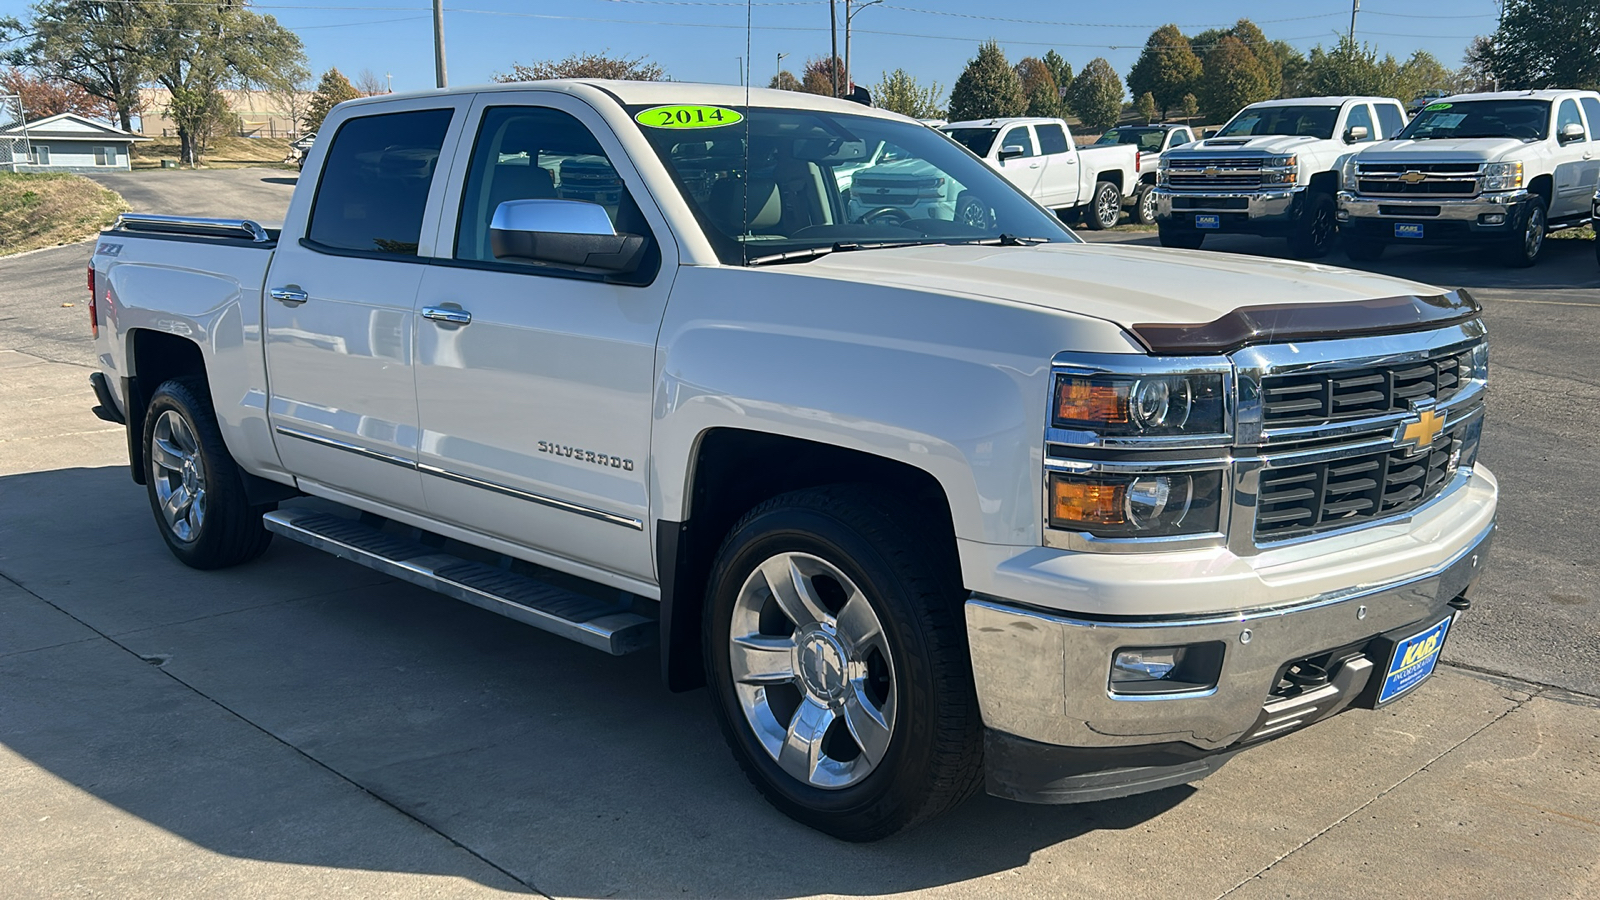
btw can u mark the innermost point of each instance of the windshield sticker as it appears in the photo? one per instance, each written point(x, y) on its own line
point(1433, 106)
point(688, 117)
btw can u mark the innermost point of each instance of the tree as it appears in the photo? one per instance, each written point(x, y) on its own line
point(1422, 72)
point(1547, 44)
point(899, 92)
point(1190, 107)
point(1293, 68)
point(1476, 72)
point(369, 84)
point(1206, 41)
point(1233, 79)
point(1146, 105)
point(1060, 70)
point(1096, 95)
point(1349, 68)
point(785, 81)
point(587, 65)
point(194, 50)
point(819, 76)
point(332, 90)
point(45, 96)
point(1264, 50)
point(1166, 69)
point(292, 100)
point(1039, 87)
point(100, 47)
point(988, 87)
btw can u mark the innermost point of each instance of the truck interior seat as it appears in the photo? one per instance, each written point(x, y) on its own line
point(730, 214)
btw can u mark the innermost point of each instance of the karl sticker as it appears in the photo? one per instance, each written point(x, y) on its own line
point(1437, 106)
point(688, 116)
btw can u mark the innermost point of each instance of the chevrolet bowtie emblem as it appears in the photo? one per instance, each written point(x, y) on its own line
point(1211, 171)
point(1414, 177)
point(1421, 432)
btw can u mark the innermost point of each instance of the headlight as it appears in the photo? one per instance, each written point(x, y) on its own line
point(1347, 173)
point(1279, 170)
point(1502, 176)
point(1163, 163)
point(1139, 406)
point(1278, 162)
point(1475, 363)
point(1123, 506)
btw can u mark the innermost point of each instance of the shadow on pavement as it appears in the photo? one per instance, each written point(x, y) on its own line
point(289, 180)
point(257, 711)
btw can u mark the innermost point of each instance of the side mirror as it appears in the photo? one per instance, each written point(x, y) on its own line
point(1570, 133)
point(571, 233)
point(1012, 151)
point(1355, 134)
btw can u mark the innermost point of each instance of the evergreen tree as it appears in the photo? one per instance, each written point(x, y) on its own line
point(331, 91)
point(988, 87)
point(1096, 95)
point(1167, 69)
point(1060, 70)
point(1233, 79)
point(1263, 50)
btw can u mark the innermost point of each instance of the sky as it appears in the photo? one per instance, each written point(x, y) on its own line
point(705, 40)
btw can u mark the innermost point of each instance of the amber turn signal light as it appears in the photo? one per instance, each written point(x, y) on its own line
point(1079, 502)
point(1082, 400)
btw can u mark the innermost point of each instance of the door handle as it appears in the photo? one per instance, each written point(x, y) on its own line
point(446, 315)
point(1033, 165)
point(291, 296)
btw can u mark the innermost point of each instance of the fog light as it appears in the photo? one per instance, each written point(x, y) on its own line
point(1150, 672)
point(1144, 664)
point(1342, 215)
point(1493, 218)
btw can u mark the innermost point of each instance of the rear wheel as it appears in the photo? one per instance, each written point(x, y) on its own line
point(1181, 239)
point(1106, 207)
point(1313, 236)
point(1523, 250)
point(1144, 206)
point(835, 649)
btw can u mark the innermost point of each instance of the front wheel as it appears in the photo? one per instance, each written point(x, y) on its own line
point(1144, 206)
point(835, 650)
point(1523, 250)
point(1181, 239)
point(1312, 237)
point(1106, 207)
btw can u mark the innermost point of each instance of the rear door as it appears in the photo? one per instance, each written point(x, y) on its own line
point(1059, 185)
point(1025, 171)
point(339, 332)
point(1591, 150)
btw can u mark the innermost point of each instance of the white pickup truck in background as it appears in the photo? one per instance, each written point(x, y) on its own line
point(1040, 157)
point(1499, 169)
point(1273, 170)
point(1151, 141)
point(929, 505)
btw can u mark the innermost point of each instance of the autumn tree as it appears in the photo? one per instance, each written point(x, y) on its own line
point(1039, 87)
point(43, 95)
point(988, 87)
point(1233, 79)
point(332, 90)
point(1096, 95)
point(899, 92)
point(819, 76)
point(785, 81)
point(101, 47)
point(1547, 44)
point(586, 65)
point(1167, 68)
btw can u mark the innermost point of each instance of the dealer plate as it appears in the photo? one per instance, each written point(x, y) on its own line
point(1402, 230)
point(1208, 221)
point(1413, 661)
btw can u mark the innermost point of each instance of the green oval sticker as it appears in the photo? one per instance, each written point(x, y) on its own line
point(688, 116)
point(1437, 106)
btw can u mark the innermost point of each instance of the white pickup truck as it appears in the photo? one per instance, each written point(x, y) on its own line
point(928, 507)
point(1040, 157)
point(1500, 169)
point(1151, 141)
point(1273, 170)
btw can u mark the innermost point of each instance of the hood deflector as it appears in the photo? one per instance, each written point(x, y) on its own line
point(1308, 322)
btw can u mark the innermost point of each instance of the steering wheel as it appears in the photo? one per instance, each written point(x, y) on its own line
point(899, 215)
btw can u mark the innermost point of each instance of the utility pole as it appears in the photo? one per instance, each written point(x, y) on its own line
point(390, 76)
point(833, 61)
point(1355, 7)
point(780, 66)
point(741, 70)
point(849, 82)
point(438, 44)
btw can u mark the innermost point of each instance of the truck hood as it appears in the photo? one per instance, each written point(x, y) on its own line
point(900, 168)
point(1116, 283)
point(1269, 144)
point(1453, 150)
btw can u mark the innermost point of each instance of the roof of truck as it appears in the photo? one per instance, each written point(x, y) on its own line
point(1323, 101)
point(1549, 94)
point(999, 122)
point(656, 93)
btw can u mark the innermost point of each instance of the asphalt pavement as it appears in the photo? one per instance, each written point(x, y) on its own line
point(300, 726)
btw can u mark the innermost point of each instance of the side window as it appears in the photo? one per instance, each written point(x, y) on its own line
point(1591, 108)
point(1180, 137)
point(536, 153)
point(1018, 137)
point(1361, 117)
point(375, 181)
point(1568, 115)
point(1392, 120)
point(1052, 139)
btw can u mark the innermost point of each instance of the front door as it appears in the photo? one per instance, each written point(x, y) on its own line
point(338, 314)
point(535, 414)
point(1058, 188)
point(1024, 171)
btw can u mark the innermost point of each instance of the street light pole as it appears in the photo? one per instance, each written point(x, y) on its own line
point(849, 15)
point(833, 61)
point(780, 67)
point(1355, 7)
point(438, 44)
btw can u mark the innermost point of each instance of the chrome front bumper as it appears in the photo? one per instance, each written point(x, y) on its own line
point(1044, 676)
point(1262, 205)
point(1354, 207)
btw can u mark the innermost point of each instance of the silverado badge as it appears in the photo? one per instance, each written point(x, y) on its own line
point(1414, 177)
point(1211, 171)
point(1420, 431)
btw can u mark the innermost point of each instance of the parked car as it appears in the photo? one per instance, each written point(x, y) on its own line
point(1501, 169)
point(1040, 157)
point(1273, 170)
point(1151, 141)
point(928, 505)
point(1423, 99)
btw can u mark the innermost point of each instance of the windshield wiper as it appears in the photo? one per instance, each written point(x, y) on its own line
point(815, 252)
point(1005, 240)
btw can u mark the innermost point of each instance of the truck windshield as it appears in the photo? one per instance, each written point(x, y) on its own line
point(1148, 139)
point(780, 185)
point(1526, 120)
point(1295, 121)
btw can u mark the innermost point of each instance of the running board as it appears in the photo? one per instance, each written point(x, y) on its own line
point(612, 627)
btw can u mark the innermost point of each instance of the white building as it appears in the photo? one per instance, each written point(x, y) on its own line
point(67, 143)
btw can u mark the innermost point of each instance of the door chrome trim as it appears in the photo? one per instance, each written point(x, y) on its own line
point(345, 445)
point(553, 503)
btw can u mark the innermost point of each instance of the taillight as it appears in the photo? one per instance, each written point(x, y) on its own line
point(94, 319)
point(1138, 160)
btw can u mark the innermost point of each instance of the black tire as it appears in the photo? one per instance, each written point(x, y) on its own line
point(229, 530)
point(933, 759)
point(1144, 206)
point(1105, 208)
point(973, 213)
point(1523, 251)
point(1363, 250)
point(1313, 235)
point(1181, 239)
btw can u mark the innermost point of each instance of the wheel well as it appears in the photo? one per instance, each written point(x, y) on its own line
point(1114, 177)
point(1325, 182)
point(733, 471)
point(1542, 186)
point(154, 357)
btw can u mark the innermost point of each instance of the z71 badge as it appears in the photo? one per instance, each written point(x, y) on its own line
point(588, 456)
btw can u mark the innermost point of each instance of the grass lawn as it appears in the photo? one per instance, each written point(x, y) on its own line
point(225, 153)
point(48, 209)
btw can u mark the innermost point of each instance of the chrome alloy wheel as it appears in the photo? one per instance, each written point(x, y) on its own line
point(813, 671)
point(178, 475)
point(1108, 207)
point(1533, 235)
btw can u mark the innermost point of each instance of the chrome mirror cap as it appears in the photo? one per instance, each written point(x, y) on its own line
point(552, 217)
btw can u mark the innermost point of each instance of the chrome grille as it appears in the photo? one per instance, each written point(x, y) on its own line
point(1184, 180)
point(1321, 496)
point(1229, 173)
point(1313, 398)
point(1178, 163)
point(1442, 179)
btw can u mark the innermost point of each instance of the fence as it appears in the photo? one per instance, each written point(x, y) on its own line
point(14, 150)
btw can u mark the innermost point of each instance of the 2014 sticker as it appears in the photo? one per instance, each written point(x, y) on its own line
point(1437, 106)
point(688, 116)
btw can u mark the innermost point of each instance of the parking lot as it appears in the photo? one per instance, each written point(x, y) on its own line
point(301, 726)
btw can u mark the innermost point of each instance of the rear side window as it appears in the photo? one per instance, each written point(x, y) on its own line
point(1591, 108)
point(1052, 139)
point(1361, 118)
point(1018, 137)
point(1390, 118)
point(375, 181)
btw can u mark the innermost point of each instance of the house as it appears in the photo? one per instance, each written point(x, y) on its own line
point(66, 142)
